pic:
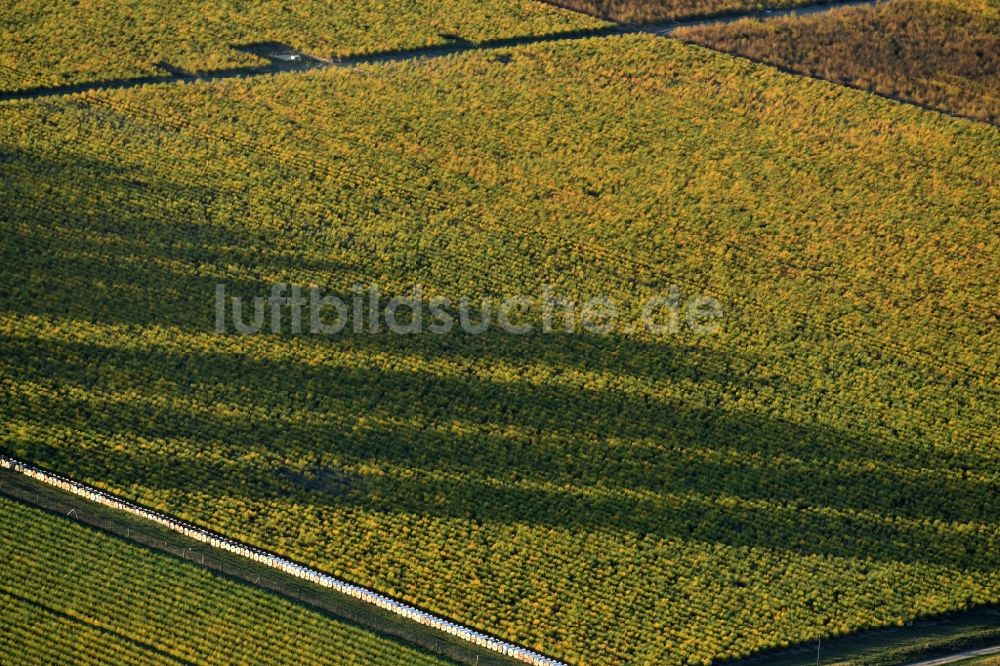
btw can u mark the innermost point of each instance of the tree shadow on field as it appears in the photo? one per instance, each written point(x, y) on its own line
point(149, 252)
point(518, 429)
point(491, 450)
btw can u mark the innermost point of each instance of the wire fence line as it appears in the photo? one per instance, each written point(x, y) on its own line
point(362, 606)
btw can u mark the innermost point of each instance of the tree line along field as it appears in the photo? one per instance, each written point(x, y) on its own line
point(44, 44)
point(71, 594)
point(940, 53)
point(825, 463)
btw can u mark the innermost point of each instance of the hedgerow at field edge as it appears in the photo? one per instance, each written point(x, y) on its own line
point(604, 500)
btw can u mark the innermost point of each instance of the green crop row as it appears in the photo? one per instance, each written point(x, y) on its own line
point(826, 462)
point(70, 594)
point(44, 44)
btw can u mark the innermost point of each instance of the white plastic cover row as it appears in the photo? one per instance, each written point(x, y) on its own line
point(275, 562)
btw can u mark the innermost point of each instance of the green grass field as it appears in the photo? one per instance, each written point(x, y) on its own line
point(70, 594)
point(826, 462)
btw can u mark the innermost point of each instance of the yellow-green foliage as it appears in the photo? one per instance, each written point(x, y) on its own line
point(827, 462)
point(73, 595)
point(940, 53)
point(46, 44)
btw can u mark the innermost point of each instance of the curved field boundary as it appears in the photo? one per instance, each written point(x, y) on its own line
point(281, 564)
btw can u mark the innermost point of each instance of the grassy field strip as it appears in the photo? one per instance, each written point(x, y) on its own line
point(962, 656)
point(950, 637)
point(666, 28)
point(282, 564)
point(662, 11)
